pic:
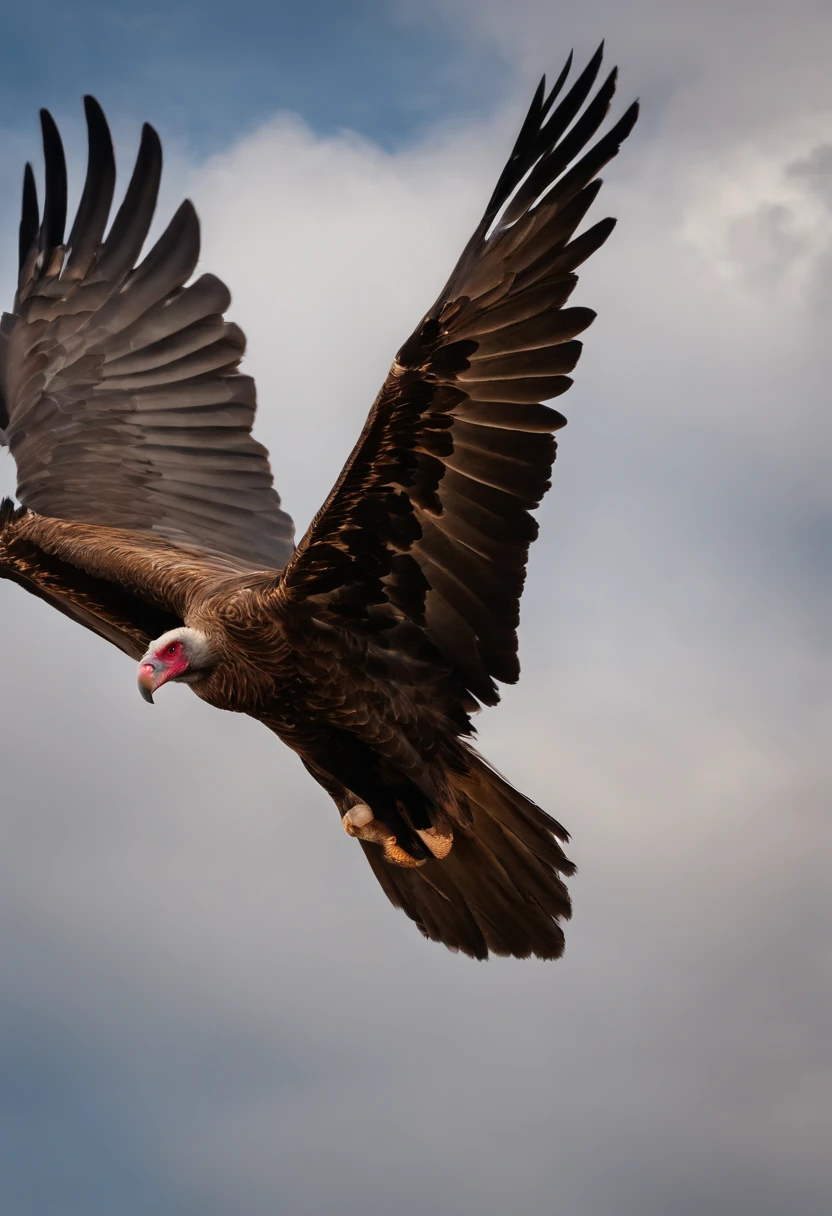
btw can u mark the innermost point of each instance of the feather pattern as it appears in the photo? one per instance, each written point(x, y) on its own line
point(458, 446)
point(126, 587)
point(119, 382)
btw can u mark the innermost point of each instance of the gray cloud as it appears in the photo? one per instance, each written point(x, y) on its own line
point(188, 936)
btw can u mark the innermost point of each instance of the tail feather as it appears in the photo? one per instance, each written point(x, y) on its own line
point(500, 889)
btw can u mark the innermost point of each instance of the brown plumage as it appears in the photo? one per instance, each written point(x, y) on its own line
point(149, 515)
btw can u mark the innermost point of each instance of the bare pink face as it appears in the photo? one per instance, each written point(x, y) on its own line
point(167, 662)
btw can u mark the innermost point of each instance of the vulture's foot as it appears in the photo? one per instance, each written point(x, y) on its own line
point(360, 822)
point(438, 842)
point(356, 819)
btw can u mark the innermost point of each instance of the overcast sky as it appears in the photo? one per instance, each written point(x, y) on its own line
point(207, 1005)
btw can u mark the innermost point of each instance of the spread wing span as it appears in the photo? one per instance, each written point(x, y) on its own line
point(120, 397)
point(429, 521)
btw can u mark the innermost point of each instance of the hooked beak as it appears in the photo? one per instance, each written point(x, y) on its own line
point(152, 675)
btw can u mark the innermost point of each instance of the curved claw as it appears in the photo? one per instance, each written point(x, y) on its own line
point(360, 822)
point(439, 843)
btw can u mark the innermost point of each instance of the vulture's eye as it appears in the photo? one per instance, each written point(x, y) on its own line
point(173, 648)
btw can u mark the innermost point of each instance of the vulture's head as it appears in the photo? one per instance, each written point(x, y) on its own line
point(184, 654)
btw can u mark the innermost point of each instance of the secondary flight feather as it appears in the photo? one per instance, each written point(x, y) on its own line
point(148, 513)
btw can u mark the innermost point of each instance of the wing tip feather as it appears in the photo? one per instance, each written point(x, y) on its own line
point(55, 196)
point(29, 216)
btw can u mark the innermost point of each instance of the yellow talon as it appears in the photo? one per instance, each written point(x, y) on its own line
point(439, 843)
point(360, 822)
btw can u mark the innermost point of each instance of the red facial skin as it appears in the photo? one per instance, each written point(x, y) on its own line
point(168, 662)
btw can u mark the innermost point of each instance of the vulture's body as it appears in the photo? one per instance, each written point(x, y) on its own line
point(148, 512)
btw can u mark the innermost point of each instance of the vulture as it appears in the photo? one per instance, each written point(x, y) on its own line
point(147, 511)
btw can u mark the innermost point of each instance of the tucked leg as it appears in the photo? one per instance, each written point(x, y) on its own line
point(360, 822)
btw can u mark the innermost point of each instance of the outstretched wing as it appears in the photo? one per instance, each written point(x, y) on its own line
point(429, 521)
point(120, 396)
point(127, 587)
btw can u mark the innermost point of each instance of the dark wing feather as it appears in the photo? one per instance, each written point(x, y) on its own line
point(123, 403)
point(429, 519)
point(125, 586)
point(97, 197)
point(115, 612)
point(29, 214)
point(54, 207)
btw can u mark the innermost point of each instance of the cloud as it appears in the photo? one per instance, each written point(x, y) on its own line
point(706, 73)
point(181, 909)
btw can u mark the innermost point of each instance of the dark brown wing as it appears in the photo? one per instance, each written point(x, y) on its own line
point(125, 586)
point(119, 390)
point(429, 520)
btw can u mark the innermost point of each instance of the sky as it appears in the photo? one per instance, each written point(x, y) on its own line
point(206, 1004)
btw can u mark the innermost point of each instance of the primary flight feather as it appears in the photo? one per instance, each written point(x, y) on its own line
point(148, 512)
